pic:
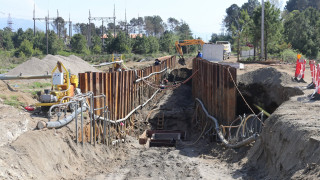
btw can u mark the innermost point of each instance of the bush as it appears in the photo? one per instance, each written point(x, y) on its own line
point(289, 55)
point(26, 48)
point(96, 49)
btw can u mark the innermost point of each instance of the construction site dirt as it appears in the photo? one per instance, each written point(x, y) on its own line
point(288, 147)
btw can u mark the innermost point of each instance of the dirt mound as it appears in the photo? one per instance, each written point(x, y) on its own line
point(35, 66)
point(289, 147)
point(267, 88)
point(267, 76)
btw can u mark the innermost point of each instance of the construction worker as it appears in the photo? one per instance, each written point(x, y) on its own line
point(300, 68)
point(199, 55)
point(157, 62)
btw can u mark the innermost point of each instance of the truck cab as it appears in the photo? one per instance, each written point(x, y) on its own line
point(227, 49)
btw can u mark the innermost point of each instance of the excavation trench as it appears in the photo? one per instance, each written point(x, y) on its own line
point(266, 88)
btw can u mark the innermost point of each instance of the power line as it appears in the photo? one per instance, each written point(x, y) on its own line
point(102, 19)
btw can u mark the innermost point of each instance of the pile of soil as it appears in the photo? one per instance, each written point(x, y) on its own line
point(289, 146)
point(266, 76)
point(35, 66)
point(266, 87)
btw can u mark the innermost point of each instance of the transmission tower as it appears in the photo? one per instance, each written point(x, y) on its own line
point(47, 19)
point(70, 27)
point(102, 19)
point(9, 22)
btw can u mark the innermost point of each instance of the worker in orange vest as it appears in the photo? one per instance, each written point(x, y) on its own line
point(300, 68)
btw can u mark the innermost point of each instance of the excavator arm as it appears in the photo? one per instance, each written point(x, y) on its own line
point(179, 45)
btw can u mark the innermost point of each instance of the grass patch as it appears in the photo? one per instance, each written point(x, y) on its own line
point(12, 101)
point(37, 85)
point(4, 97)
point(32, 92)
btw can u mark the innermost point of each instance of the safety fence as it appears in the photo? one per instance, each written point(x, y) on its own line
point(214, 86)
point(123, 92)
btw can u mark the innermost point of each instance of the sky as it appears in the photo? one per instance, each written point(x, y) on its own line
point(203, 16)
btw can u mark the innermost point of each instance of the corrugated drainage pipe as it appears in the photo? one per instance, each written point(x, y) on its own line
point(220, 135)
point(62, 122)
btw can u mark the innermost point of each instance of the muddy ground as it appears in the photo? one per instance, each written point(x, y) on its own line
point(288, 147)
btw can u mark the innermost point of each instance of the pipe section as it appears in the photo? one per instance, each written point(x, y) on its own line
point(5, 77)
point(62, 122)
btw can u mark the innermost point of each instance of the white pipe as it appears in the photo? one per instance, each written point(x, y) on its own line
point(62, 122)
point(108, 63)
point(138, 80)
point(127, 116)
point(8, 77)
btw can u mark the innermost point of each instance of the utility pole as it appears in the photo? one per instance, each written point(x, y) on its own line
point(57, 24)
point(70, 27)
point(34, 19)
point(89, 30)
point(114, 21)
point(47, 29)
point(9, 22)
point(47, 19)
point(262, 30)
point(103, 19)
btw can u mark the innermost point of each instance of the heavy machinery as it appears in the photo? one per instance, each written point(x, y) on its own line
point(181, 43)
point(63, 85)
point(226, 50)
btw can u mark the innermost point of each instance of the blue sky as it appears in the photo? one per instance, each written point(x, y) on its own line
point(203, 16)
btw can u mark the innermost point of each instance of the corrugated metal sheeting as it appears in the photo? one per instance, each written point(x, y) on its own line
point(213, 85)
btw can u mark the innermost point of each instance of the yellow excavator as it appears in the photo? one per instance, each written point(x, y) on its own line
point(181, 43)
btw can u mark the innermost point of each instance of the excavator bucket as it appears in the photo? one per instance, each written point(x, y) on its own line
point(182, 61)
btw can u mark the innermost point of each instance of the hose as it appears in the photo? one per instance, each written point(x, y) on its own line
point(220, 135)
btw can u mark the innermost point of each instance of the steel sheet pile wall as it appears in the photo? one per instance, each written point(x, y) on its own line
point(123, 94)
point(214, 87)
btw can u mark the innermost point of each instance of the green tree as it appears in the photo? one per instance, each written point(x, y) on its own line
point(96, 49)
point(241, 30)
point(232, 18)
point(302, 5)
point(220, 37)
point(39, 41)
point(173, 24)
point(54, 43)
point(59, 26)
point(184, 31)
point(26, 48)
point(273, 26)
point(78, 43)
point(153, 44)
point(141, 45)
point(167, 41)
point(7, 43)
point(154, 25)
point(120, 44)
point(17, 38)
point(250, 6)
point(301, 30)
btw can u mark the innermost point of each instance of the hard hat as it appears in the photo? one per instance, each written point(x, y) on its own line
point(299, 56)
